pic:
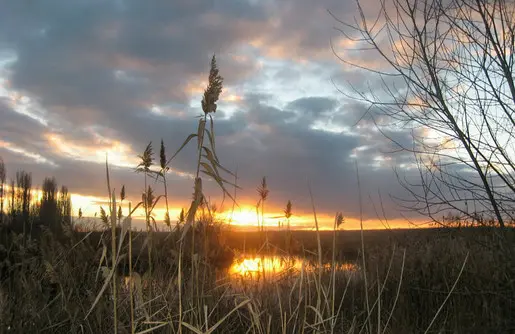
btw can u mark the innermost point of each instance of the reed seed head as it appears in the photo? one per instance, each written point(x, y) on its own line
point(288, 212)
point(263, 190)
point(146, 159)
point(339, 220)
point(213, 90)
point(162, 156)
point(181, 217)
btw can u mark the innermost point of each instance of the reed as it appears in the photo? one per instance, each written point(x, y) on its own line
point(70, 277)
point(414, 284)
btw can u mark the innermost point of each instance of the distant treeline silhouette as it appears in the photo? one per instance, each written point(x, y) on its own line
point(23, 209)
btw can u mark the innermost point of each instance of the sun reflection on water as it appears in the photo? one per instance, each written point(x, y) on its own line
point(255, 266)
point(265, 264)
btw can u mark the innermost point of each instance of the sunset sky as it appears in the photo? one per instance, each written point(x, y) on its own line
point(82, 78)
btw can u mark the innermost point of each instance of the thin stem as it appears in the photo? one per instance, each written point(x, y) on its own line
point(166, 201)
point(131, 292)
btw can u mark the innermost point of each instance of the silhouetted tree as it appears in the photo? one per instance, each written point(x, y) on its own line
point(2, 182)
point(65, 206)
point(23, 198)
point(12, 209)
point(446, 69)
point(48, 212)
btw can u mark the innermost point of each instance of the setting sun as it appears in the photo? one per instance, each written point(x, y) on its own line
point(244, 217)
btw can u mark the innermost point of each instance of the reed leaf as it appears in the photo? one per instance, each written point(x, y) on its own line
point(214, 160)
point(186, 141)
point(215, 326)
point(220, 182)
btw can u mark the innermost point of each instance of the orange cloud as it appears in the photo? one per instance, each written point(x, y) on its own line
point(119, 154)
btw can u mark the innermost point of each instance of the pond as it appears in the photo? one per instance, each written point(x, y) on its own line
point(259, 266)
point(252, 268)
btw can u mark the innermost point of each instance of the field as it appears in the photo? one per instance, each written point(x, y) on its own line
point(58, 275)
point(408, 281)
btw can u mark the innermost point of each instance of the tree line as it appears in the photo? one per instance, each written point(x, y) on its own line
point(25, 209)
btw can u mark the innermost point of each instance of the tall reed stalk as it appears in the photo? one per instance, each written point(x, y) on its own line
point(112, 209)
point(144, 167)
point(338, 220)
point(319, 251)
point(363, 248)
point(131, 283)
point(164, 169)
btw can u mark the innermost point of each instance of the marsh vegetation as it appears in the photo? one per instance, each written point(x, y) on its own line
point(57, 275)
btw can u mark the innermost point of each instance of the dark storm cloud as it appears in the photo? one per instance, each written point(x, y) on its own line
point(313, 108)
point(10, 128)
point(68, 53)
point(289, 154)
point(292, 155)
point(20, 132)
point(259, 112)
point(124, 56)
point(98, 66)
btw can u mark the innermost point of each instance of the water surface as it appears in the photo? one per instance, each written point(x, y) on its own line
point(257, 266)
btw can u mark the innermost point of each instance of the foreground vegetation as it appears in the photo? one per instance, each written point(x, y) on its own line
point(447, 280)
point(56, 277)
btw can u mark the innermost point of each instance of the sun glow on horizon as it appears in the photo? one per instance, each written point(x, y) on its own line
point(89, 206)
point(246, 217)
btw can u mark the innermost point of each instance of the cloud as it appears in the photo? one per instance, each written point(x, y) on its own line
point(94, 77)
